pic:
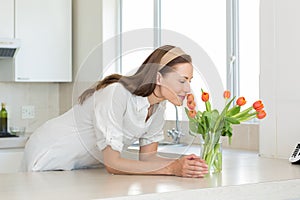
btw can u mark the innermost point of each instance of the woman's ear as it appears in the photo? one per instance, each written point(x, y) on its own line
point(158, 78)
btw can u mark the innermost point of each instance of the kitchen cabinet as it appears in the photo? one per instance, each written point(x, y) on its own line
point(45, 31)
point(10, 160)
point(6, 19)
point(11, 153)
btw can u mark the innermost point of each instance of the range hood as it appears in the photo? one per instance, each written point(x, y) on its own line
point(9, 47)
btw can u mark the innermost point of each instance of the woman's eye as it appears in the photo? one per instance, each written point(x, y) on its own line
point(182, 81)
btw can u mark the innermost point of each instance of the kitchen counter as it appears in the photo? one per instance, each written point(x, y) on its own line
point(239, 168)
point(13, 142)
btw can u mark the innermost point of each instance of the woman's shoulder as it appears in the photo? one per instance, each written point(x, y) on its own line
point(117, 87)
point(115, 90)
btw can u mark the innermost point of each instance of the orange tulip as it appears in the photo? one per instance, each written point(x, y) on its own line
point(258, 105)
point(241, 101)
point(226, 94)
point(205, 96)
point(261, 114)
point(192, 113)
point(190, 97)
point(191, 105)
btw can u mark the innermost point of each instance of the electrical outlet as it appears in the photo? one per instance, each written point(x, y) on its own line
point(28, 112)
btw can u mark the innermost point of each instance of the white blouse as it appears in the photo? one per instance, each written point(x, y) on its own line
point(111, 116)
point(120, 119)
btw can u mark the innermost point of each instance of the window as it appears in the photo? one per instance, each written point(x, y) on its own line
point(205, 23)
point(249, 49)
point(136, 14)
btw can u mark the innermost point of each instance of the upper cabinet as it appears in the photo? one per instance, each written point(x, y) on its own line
point(6, 18)
point(44, 29)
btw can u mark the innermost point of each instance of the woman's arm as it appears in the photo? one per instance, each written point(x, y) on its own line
point(151, 164)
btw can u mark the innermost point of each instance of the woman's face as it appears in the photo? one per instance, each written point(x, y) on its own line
point(175, 85)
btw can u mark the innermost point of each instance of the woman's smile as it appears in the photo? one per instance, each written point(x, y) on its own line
point(182, 97)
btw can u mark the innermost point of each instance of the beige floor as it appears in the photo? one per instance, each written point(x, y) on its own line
point(239, 168)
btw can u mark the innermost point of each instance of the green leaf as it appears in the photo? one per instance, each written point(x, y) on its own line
point(247, 117)
point(221, 116)
point(232, 120)
point(207, 121)
point(210, 118)
point(198, 115)
point(227, 107)
point(227, 131)
point(243, 113)
point(193, 126)
point(233, 111)
point(201, 129)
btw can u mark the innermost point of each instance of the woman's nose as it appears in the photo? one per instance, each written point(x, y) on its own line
point(187, 87)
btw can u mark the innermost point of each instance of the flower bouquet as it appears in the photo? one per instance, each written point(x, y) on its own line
point(212, 124)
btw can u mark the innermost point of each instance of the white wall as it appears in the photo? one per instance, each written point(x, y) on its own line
point(87, 33)
point(279, 76)
point(94, 22)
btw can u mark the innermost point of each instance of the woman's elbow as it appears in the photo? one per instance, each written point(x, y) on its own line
point(111, 170)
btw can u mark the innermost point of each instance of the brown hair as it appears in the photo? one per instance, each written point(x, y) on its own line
point(143, 82)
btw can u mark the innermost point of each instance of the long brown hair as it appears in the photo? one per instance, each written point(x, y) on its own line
point(143, 82)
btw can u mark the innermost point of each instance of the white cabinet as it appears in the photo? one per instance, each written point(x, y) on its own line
point(10, 160)
point(6, 18)
point(45, 31)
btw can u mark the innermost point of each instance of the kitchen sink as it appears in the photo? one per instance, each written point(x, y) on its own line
point(166, 149)
point(163, 143)
point(167, 143)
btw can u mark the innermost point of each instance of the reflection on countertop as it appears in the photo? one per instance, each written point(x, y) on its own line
point(239, 167)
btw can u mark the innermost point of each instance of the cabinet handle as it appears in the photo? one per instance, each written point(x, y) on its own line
point(23, 78)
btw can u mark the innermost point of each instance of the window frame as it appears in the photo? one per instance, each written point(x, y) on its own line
point(232, 41)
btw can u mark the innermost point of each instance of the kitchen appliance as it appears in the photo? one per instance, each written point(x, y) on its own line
point(295, 157)
point(9, 48)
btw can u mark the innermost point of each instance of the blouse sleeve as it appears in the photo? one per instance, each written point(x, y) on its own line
point(110, 105)
point(155, 132)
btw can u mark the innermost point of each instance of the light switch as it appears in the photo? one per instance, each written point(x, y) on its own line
point(28, 112)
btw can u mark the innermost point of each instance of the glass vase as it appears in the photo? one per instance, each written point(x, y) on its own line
point(211, 152)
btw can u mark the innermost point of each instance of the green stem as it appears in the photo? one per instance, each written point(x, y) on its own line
point(242, 113)
point(212, 155)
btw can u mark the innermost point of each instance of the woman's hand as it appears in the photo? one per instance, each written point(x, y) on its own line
point(190, 166)
point(187, 166)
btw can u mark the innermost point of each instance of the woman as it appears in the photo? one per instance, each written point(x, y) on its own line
point(112, 115)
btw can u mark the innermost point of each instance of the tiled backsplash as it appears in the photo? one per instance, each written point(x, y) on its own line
point(43, 96)
point(245, 136)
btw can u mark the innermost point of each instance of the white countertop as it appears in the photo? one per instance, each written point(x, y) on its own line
point(239, 168)
point(13, 142)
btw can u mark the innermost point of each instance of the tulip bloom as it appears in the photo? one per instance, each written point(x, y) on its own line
point(190, 97)
point(258, 105)
point(226, 94)
point(205, 96)
point(191, 105)
point(241, 101)
point(192, 113)
point(261, 114)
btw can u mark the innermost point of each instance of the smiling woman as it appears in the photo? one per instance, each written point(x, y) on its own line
point(113, 114)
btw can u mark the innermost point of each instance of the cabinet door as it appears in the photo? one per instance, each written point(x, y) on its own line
point(44, 28)
point(10, 160)
point(6, 18)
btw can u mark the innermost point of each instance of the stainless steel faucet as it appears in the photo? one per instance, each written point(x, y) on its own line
point(175, 133)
